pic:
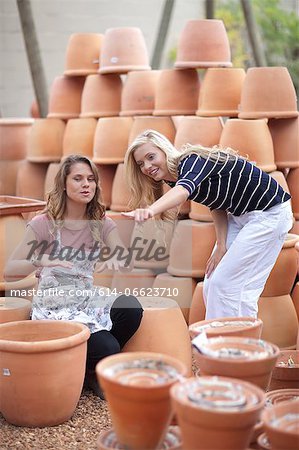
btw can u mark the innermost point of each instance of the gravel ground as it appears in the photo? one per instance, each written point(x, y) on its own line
point(79, 433)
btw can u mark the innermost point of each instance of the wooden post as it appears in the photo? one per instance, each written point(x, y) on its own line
point(210, 9)
point(33, 55)
point(162, 33)
point(253, 32)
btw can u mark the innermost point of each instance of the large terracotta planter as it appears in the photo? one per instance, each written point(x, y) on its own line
point(198, 307)
point(138, 95)
point(120, 196)
point(136, 387)
point(111, 139)
point(31, 180)
point(124, 226)
point(50, 177)
point(203, 43)
point(163, 329)
point(220, 92)
point(186, 258)
point(177, 92)
point(26, 287)
point(14, 134)
point(268, 92)
point(106, 174)
point(184, 209)
point(123, 50)
point(162, 124)
point(200, 212)
point(9, 172)
point(205, 131)
point(33, 391)
point(14, 309)
point(82, 54)
point(180, 289)
point(280, 322)
point(292, 180)
point(285, 374)
point(45, 140)
point(65, 97)
point(252, 138)
point(247, 359)
point(285, 136)
point(216, 412)
point(136, 282)
point(79, 136)
point(228, 326)
point(101, 96)
point(282, 425)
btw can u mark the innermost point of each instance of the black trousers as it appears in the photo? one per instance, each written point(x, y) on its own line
point(126, 314)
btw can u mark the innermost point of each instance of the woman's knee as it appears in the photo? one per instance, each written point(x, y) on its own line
point(102, 344)
point(129, 306)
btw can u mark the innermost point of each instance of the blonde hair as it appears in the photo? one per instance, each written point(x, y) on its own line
point(145, 190)
point(56, 197)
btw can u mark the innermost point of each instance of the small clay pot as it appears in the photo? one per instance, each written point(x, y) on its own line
point(250, 138)
point(111, 139)
point(14, 309)
point(31, 180)
point(106, 174)
point(220, 92)
point(203, 43)
point(285, 374)
point(228, 326)
point(65, 97)
point(138, 95)
point(281, 395)
point(79, 136)
point(292, 180)
point(50, 177)
point(198, 307)
point(14, 135)
point(162, 124)
point(205, 131)
point(123, 50)
point(82, 54)
point(45, 140)
point(268, 92)
point(101, 96)
point(120, 195)
point(177, 92)
point(285, 137)
point(9, 173)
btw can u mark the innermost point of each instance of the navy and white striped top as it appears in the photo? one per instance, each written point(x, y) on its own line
point(235, 185)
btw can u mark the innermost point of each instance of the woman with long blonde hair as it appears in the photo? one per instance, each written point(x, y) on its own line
point(250, 210)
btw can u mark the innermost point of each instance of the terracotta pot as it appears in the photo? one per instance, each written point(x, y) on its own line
point(228, 327)
point(65, 97)
point(12, 229)
point(203, 43)
point(78, 137)
point(162, 124)
point(103, 279)
point(280, 281)
point(162, 329)
point(24, 287)
point(186, 258)
point(153, 237)
point(200, 212)
point(285, 136)
point(295, 298)
point(138, 95)
point(136, 282)
point(14, 309)
point(184, 209)
point(34, 110)
point(292, 180)
point(286, 371)
point(123, 50)
point(136, 387)
point(13, 206)
point(198, 130)
point(107, 440)
point(31, 180)
point(247, 359)
point(180, 289)
point(111, 139)
point(45, 140)
point(50, 177)
point(33, 391)
point(252, 138)
point(14, 134)
point(177, 92)
point(268, 92)
point(220, 92)
point(120, 195)
point(9, 173)
point(82, 54)
point(101, 96)
point(216, 412)
point(282, 425)
point(106, 174)
point(124, 226)
point(281, 395)
point(198, 307)
point(280, 322)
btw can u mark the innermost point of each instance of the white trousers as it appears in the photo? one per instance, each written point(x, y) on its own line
point(254, 241)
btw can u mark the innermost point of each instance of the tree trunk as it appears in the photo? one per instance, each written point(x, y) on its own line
point(162, 33)
point(33, 55)
point(253, 32)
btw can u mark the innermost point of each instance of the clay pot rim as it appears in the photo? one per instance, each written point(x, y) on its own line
point(274, 411)
point(256, 322)
point(219, 112)
point(173, 112)
point(21, 204)
point(24, 283)
point(202, 64)
point(122, 69)
point(99, 160)
point(80, 72)
point(51, 345)
point(271, 396)
point(185, 273)
point(16, 121)
point(268, 114)
point(46, 159)
point(63, 116)
point(98, 114)
point(14, 303)
point(137, 112)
